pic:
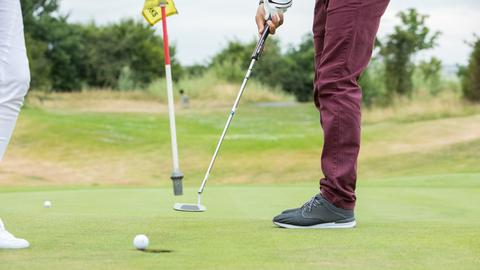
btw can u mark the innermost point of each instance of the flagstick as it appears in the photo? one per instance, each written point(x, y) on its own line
point(177, 175)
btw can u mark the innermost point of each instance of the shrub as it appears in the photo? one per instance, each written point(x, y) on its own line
point(471, 75)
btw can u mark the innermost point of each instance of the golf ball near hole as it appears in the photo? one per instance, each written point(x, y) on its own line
point(47, 204)
point(140, 242)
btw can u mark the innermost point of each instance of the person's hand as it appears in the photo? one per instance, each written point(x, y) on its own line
point(274, 23)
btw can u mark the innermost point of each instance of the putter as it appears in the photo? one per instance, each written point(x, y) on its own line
point(198, 207)
point(271, 8)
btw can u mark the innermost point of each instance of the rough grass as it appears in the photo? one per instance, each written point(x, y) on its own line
point(421, 107)
point(57, 144)
point(204, 92)
point(209, 90)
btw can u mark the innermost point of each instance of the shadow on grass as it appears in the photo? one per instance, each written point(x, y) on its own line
point(157, 251)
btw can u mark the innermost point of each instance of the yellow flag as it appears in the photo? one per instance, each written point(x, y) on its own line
point(153, 13)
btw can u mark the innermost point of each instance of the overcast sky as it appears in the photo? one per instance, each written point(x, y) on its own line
point(203, 27)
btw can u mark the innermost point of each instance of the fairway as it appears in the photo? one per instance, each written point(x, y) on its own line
point(409, 226)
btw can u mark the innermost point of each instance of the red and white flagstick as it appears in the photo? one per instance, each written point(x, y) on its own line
point(177, 175)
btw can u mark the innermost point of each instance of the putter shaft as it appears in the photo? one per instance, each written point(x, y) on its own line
point(227, 125)
point(255, 56)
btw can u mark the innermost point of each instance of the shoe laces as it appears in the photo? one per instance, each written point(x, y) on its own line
point(312, 203)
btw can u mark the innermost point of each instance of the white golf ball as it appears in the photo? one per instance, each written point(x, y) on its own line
point(140, 242)
point(47, 204)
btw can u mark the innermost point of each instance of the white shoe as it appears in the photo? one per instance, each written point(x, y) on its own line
point(8, 241)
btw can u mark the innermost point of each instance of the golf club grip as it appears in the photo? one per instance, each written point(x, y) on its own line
point(261, 43)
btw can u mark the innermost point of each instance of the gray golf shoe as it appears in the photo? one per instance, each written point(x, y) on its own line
point(317, 213)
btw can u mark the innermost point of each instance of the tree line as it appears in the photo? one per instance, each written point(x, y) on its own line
point(68, 56)
point(128, 54)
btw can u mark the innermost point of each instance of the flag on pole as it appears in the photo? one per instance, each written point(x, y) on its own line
point(155, 11)
point(152, 10)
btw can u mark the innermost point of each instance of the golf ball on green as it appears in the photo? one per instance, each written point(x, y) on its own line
point(47, 204)
point(140, 242)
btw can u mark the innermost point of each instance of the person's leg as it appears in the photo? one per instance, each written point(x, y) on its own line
point(14, 84)
point(350, 31)
point(319, 23)
point(14, 71)
point(344, 34)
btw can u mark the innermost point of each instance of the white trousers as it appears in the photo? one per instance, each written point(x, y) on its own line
point(14, 70)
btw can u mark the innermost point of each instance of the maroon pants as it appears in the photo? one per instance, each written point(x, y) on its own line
point(344, 34)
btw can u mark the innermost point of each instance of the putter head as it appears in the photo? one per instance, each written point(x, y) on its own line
point(186, 207)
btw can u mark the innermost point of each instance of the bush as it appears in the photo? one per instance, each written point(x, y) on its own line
point(372, 83)
point(471, 75)
point(66, 57)
point(298, 70)
point(292, 71)
point(125, 81)
point(40, 66)
point(409, 38)
point(428, 75)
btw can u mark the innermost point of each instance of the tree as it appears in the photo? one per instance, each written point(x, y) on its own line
point(471, 74)
point(67, 54)
point(400, 47)
point(128, 43)
point(431, 72)
point(371, 81)
point(231, 62)
point(40, 66)
point(298, 70)
point(195, 70)
point(38, 16)
point(293, 71)
point(56, 49)
point(66, 57)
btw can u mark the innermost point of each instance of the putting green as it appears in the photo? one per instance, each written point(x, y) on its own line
point(423, 223)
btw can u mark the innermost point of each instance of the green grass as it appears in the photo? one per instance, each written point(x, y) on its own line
point(107, 174)
point(411, 226)
point(90, 148)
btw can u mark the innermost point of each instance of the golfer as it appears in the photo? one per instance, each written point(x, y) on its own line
point(344, 34)
point(14, 84)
